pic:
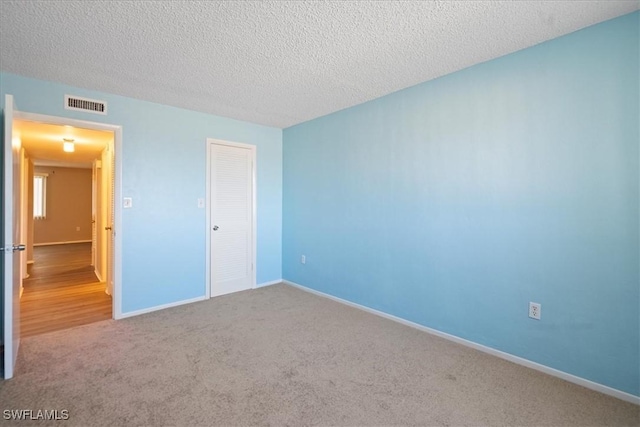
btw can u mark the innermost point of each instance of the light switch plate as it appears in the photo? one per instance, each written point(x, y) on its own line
point(201, 203)
point(127, 202)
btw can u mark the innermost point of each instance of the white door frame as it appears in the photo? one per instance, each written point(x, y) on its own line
point(252, 148)
point(116, 309)
point(94, 214)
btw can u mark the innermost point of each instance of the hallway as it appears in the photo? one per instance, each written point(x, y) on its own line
point(62, 290)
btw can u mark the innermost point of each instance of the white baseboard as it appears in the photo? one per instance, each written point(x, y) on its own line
point(62, 243)
point(161, 307)
point(97, 273)
point(273, 282)
point(506, 356)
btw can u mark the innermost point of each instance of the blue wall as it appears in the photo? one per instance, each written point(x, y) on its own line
point(456, 202)
point(164, 171)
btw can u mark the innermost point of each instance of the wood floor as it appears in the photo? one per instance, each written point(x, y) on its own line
point(62, 291)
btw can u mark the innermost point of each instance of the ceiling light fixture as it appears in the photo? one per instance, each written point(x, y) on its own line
point(68, 145)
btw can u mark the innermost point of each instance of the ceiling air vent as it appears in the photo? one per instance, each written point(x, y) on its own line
point(85, 104)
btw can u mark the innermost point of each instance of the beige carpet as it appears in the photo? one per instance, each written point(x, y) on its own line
point(280, 356)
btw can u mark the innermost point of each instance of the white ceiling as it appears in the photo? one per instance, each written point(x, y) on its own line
point(269, 62)
point(43, 143)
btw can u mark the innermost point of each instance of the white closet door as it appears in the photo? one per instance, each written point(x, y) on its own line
point(231, 199)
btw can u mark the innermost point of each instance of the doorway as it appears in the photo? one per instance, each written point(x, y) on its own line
point(68, 269)
point(65, 196)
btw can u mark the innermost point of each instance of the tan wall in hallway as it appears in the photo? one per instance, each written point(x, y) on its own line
point(68, 206)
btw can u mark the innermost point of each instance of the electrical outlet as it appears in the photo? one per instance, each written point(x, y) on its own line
point(535, 310)
point(303, 259)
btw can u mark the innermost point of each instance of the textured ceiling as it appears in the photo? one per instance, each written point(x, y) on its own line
point(269, 62)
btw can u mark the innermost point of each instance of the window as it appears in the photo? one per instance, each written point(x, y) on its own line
point(40, 196)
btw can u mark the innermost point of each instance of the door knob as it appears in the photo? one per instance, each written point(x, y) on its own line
point(107, 228)
point(215, 228)
point(13, 248)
